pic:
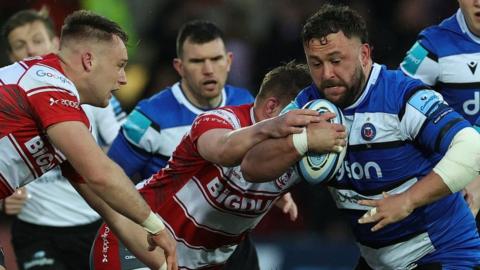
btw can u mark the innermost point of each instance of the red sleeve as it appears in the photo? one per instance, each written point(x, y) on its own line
point(70, 173)
point(222, 118)
point(52, 106)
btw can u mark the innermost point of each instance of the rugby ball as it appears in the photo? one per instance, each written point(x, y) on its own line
point(320, 168)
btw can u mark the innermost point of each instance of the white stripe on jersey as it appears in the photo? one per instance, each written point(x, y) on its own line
point(12, 158)
point(455, 68)
point(348, 199)
point(386, 125)
point(237, 182)
point(192, 258)
point(398, 256)
point(12, 73)
point(194, 202)
point(428, 71)
point(38, 91)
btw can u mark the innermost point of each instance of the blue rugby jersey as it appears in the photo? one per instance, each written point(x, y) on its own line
point(446, 56)
point(398, 130)
point(155, 127)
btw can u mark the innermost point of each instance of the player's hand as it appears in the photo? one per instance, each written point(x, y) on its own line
point(390, 209)
point(288, 206)
point(471, 194)
point(324, 137)
point(293, 122)
point(166, 242)
point(15, 202)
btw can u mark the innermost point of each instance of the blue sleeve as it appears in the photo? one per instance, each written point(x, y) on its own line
point(132, 160)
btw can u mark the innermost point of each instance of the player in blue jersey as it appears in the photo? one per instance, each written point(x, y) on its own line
point(445, 57)
point(398, 132)
point(156, 126)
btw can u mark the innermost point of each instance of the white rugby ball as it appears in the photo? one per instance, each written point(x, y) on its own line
point(321, 168)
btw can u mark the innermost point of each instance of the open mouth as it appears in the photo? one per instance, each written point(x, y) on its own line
point(210, 84)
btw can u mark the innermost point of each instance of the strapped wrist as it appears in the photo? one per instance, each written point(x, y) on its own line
point(153, 224)
point(300, 142)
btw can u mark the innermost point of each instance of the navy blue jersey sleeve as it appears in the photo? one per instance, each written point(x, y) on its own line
point(126, 156)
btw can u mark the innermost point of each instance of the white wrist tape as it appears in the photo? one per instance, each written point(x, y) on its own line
point(461, 163)
point(153, 224)
point(164, 266)
point(300, 142)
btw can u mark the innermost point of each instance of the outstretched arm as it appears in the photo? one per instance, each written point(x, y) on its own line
point(103, 176)
point(133, 236)
point(456, 169)
point(228, 147)
point(271, 158)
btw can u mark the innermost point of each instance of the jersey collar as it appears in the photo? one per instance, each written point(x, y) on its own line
point(463, 26)
point(182, 99)
point(372, 79)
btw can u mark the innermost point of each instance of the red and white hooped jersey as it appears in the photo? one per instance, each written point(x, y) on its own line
point(209, 208)
point(34, 94)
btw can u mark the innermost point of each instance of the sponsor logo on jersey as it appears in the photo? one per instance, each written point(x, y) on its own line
point(233, 200)
point(414, 58)
point(283, 181)
point(65, 102)
point(368, 131)
point(105, 244)
point(43, 158)
point(359, 171)
point(48, 74)
point(472, 66)
point(472, 106)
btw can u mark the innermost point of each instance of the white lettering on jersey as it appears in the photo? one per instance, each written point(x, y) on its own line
point(40, 153)
point(235, 202)
point(472, 106)
point(358, 171)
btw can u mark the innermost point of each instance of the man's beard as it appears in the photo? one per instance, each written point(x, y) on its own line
point(352, 92)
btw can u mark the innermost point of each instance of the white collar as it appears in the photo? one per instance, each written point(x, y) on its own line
point(182, 99)
point(463, 26)
point(372, 79)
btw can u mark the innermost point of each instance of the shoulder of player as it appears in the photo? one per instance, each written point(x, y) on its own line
point(237, 95)
point(42, 77)
point(160, 105)
point(395, 88)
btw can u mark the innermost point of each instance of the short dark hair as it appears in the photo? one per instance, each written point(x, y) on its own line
point(333, 19)
point(83, 24)
point(198, 32)
point(28, 16)
point(285, 81)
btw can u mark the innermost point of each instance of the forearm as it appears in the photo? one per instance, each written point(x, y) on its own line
point(234, 144)
point(131, 234)
point(269, 159)
point(429, 189)
point(118, 191)
point(134, 237)
point(103, 176)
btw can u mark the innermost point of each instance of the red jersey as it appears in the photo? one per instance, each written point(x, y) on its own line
point(207, 208)
point(34, 94)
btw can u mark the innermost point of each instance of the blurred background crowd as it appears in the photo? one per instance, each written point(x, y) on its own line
point(261, 34)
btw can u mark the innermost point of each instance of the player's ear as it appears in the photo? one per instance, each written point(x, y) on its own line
point(87, 61)
point(365, 54)
point(229, 60)
point(272, 107)
point(177, 65)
